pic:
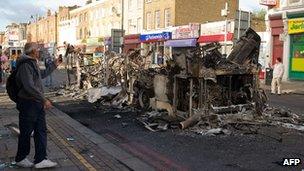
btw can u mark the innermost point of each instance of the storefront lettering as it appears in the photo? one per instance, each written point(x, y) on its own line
point(158, 36)
point(296, 26)
point(186, 32)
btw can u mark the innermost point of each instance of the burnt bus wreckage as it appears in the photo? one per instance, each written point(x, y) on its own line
point(203, 80)
point(193, 85)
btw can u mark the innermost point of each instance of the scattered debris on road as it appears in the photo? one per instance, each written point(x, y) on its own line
point(70, 139)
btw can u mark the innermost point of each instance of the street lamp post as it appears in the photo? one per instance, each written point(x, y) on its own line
point(122, 25)
point(36, 25)
point(224, 13)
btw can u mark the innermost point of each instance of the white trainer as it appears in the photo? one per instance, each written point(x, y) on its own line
point(45, 164)
point(25, 163)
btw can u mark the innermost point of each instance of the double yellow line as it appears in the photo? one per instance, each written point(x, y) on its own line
point(72, 150)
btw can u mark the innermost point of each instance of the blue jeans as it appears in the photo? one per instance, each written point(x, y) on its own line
point(31, 118)
point(49, 80)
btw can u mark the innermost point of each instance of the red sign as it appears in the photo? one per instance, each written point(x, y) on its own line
point(132, 39)
point(215, 38)
point(186, 32)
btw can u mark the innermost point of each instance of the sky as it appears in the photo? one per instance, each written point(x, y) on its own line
point(21, 10)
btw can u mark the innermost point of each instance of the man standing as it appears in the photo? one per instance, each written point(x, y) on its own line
point(31, 105)
point(278, 71)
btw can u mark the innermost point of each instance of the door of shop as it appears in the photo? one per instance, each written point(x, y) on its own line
point(296, 69)
point(277, 51)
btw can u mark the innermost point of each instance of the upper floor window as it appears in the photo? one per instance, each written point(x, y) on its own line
point(85, 16)
point(168, 18)
point(291, 2)
point(80, 18)
point(139, 25)
point(157, 19)
point(130, 5)
point(80, 34)
point(148, 1)
point(139, 4)
point(149, 21)
point(129, 25)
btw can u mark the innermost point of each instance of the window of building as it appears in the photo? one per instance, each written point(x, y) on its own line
point(80, 18)
point(129, 26)
point(167, 18)
point(149, 21)
point(139, 25)
point(148, 1)
point(157, 19)
point(295, 2)
point(102, 12)
point(80, 34)
point(130, 4)
point(85, 33)
point(85, 16)
point(139, 4)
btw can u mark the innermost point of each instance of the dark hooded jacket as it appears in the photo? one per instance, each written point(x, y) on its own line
point(29, 79)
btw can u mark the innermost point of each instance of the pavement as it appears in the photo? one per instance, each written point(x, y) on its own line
point(295, 87)
point(70, 144)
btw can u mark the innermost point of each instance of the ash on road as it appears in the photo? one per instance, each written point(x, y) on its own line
point(179, 150)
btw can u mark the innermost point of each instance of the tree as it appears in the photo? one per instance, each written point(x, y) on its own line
point(260, 14)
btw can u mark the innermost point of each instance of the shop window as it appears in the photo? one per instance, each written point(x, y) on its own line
point(297, 57)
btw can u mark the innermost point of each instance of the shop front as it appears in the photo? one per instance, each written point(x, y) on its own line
point(155, 42)
point(219, 38)
point(296, 32)
point(215, 32)
point(131, 42)
point(94, 44)
point(108, 43)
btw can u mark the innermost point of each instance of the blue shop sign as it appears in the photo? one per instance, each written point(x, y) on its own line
point(155, 37)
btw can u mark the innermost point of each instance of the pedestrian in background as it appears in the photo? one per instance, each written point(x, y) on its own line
point(13, 60)
point(4, 69)
point(1, 67)
point(49, 59)
point(31, 105)
point(278, 72)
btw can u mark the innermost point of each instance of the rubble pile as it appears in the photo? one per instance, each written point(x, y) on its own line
point(245, 122)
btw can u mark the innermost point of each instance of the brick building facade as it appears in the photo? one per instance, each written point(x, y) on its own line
point(166, 13)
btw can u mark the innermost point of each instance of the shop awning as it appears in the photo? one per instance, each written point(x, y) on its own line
point(181, 43)
point(215, 38)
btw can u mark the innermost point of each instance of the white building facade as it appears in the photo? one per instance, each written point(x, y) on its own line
point(133, 16)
